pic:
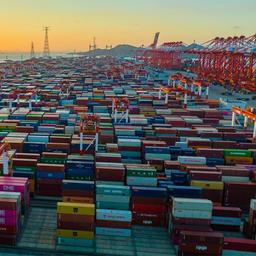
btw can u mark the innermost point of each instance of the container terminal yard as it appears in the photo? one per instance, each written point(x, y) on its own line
point(117, 156)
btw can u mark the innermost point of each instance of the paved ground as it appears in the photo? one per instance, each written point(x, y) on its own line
point(39, 232)
point(215, 92)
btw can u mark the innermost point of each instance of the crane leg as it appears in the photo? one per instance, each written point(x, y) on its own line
point(233, 119)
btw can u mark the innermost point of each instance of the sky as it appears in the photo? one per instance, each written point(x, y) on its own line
point(74, 23)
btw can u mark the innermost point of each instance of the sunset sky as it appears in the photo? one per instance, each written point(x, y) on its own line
point(73, 23)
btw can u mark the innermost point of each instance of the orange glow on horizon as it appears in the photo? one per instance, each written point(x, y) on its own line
point(74, 23)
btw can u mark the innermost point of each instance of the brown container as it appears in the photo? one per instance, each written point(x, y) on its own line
point(27, 155)
point(76, 199)
point(113, 224)
point(41, 167)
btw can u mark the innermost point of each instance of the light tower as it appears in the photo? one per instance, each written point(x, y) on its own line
point(93, 46)
point(46, 52)
point(32, 51)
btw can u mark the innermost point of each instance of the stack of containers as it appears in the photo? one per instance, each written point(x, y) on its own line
point(78, 191)
point(152, 143)
point(200, 243)
point(75, 224)
point(250, 226)
point(141, 175)
point(212, 190)
point(19, 185)
point(189, 215)
point(10, 215)
point(24, 165)
point(226, 218)
point(213, 156)
point(157, 155)
point(239, 246)
point(49, 179)
point(53, 158)
point(238, 156)
point(237, 194)
point(148, 206)
point(106, 174)
point(130, 150)
point(113, 215)
point(234, 173)
point(80, 167)
point(112, 197)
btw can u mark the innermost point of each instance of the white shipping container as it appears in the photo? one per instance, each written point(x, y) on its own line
point(192, 160)
point(196, 214)
point(253, 204)
point(192, 204)
point(235, 179)
point(113, 215)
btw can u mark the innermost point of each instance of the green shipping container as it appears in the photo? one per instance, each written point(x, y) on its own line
point(141, 173)
point(237, 152)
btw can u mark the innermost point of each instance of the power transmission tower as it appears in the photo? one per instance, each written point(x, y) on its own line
point(32, 52)
point(46, 52)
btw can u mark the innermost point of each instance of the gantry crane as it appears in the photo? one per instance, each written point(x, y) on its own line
point(89, 124)
point(4, 148)
point(189, 84)
point(120, 106)
point(25, 94)
point(229, 60)
point(178, 89)
point(248, 114)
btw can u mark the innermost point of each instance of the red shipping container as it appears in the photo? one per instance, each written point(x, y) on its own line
point(113, 224)
point(239, 244)
point(200, 248)
point(148, 219)
point(191, 221)
point(148, 200)
point(208, 176)
point(147, 208)
point(74, 225)
point(8, 239)
point(213, 194)
point(202, 237)
point(227, 211)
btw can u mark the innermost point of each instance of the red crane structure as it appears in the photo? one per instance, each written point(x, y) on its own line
point(120, 106)
point(178, 90)
point(229, 60)
point(28, 94)
point(166, 56)
point(89, 124)
point(248, 114)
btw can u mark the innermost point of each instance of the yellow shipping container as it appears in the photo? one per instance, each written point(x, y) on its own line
point(76, 208)
point(238, 160)
point(75, 234)
point(218, 185)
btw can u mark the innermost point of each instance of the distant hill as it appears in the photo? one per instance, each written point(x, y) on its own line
point(125, 50)
point(194, 46)
point(122, 50)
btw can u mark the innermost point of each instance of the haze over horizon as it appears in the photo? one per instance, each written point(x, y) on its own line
point(74, 23)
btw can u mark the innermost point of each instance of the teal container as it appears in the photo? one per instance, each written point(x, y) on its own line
point(112, 198)
point(112, 205)
point(75, 242)
point(113, 190)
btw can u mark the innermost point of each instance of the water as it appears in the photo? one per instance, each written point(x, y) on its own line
point(26, 55)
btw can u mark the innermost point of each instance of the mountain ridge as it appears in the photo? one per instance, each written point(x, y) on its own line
point(125, 50)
